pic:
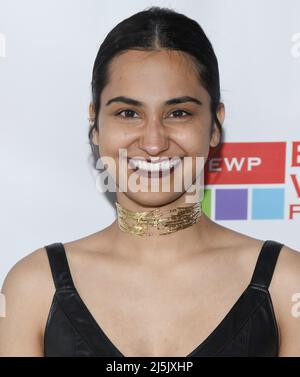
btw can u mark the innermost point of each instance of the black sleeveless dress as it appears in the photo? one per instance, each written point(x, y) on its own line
point(248, 329)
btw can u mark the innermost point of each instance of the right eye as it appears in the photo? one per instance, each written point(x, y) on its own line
point(126, 111)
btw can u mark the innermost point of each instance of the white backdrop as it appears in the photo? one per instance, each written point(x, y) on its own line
point(47, 49)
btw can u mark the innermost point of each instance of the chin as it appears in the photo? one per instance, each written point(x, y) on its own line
point(153, 199)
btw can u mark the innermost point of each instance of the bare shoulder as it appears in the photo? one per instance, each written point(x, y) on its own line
point(288, 268)
point(286, 278)
point(27, 272)
point(28, 289)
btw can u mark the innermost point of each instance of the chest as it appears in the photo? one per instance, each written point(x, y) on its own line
point(158, 315)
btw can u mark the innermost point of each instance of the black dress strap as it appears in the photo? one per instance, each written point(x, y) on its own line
point(265, 264)
point(59, 266)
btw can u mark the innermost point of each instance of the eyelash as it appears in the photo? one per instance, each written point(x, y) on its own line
point(184, 111)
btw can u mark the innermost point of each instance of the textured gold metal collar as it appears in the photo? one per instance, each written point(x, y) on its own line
point(162, 222)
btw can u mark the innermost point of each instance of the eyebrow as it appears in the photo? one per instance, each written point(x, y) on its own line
point(172, 101)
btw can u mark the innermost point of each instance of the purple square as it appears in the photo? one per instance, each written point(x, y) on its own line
point(231, 204)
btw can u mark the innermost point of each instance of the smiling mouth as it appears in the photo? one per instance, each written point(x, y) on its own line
point(154, 167)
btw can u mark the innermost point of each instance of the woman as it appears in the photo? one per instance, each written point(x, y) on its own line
point(161, 280)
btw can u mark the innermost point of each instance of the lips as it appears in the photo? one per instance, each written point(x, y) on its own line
point(155, 166)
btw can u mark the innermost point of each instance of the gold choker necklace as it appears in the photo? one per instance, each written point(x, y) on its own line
point(168, 221)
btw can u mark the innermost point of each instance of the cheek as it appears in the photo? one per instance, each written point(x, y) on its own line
point(194, 141)
point(111, 140)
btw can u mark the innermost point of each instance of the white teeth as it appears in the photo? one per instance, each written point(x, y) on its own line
point(158, 166)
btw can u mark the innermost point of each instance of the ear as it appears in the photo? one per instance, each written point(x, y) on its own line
point(92, 120)
point(216, 135)
point(91, 111)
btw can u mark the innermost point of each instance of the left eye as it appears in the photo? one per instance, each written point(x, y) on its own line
point(180, 111)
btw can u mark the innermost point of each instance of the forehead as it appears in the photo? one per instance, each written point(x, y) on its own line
point(152, 73)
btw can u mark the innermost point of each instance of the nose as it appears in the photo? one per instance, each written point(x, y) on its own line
point(154, 139)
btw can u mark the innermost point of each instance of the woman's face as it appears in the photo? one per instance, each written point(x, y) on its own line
point(146, 126)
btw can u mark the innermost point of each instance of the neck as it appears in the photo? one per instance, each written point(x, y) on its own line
point(157, 221)
point(184, 240)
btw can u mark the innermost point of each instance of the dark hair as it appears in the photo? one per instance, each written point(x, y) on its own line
point(152, 29)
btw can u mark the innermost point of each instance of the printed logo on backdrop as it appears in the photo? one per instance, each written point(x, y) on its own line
point(253, 180)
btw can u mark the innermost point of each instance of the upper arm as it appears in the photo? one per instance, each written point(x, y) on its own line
point(285, 291)
point(27, 295)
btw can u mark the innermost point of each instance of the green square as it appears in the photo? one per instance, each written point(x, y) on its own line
point(206, 202)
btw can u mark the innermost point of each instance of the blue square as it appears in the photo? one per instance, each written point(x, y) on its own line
point(268, 203)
